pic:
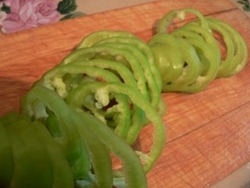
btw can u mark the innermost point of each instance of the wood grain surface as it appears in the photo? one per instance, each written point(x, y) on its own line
point(207, 133)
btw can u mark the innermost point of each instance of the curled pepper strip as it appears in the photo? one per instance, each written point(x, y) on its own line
point(167, 19)
point(29, 157)
point(94, 37)
point(206, 35)
point(65, 78)
point(73, 148)
point(97, 138)
point(139, 100)
point(140, 50)
point(77, 98)
point(132, 172)
point(209, 58)
point(121, 116)
point(152, 88)
point(60, 167)
point(51, 100)
point(237, 53)
point(114, 54)
point(199, 33)
point(143, 48)
point(122, 73)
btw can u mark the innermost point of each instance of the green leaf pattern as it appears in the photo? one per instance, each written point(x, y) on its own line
point(5, 8)
point(68, 9)
point(66, 6)
point(245, 4)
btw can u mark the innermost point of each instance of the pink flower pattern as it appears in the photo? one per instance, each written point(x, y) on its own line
point(29, 13)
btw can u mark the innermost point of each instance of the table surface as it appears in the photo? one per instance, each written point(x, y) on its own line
point(207, 133)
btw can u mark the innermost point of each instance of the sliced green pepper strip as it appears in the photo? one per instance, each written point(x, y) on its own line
point(200, 35)
point(166, 20)
point(206, 35)
point(133, 173)
point(159, 133)
point(139, 100)
point(6, 157)
point(56, 79)
point(77, 97)
point(153, 90)
point(237, 52)
point(189, 59)
point(119, 69)
point(99, 154)
point(121, 115)
point(137, 114)
point(61, 171)
point(32, 167)
point(96, 36)
point(112, 53)
point(207, 56)
point(35, 104)
point(143, 47)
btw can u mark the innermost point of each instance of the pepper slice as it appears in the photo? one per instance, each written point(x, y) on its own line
point(87, 124)
point(209, 58)
point(132, 172)
point(213, 63)
point(96, 36)
point(32, 167)
point(236, 53)
point(35, 105)
point(95, 147)
point(167, 19)
point(142, 47)
point(112, 53)
point(77, 99)
point(118, 118)
point(138, 100)
point(61, 171)
point(153, 90)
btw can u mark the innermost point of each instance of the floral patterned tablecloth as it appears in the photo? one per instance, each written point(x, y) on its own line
point(16, 15)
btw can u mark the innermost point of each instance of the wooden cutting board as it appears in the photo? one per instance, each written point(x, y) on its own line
point(208, 132)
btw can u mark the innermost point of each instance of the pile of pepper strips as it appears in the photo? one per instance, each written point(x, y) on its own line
point(95, 103)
